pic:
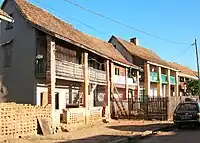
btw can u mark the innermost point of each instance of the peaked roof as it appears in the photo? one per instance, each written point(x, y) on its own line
point(5, 16)
point(184, 69)
point(144, 53)
point(49, 23)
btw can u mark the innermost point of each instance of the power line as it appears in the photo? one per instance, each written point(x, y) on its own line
point(181, 53)
point(124, 24)
point(94, 29)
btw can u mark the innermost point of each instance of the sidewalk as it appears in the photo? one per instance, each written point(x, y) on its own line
point(103, 132)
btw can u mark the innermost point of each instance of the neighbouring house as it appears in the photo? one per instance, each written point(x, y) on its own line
point(51, 62)
point(159, 78)
point(3, 90)
point(9, 20)
point(184, 75)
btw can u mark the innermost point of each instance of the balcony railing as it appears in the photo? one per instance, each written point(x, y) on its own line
point(69, 70)
point(97, 75)
point(154, 77)
point(173, 80)
point(117, 79)
point(164, 78)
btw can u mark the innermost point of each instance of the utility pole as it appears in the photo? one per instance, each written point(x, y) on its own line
point(197, 57)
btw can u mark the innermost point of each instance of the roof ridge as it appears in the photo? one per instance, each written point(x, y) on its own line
point(45, 10)
point(50, 23)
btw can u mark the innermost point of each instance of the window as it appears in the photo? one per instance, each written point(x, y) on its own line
point(7, 55)
point(116, 71)
point(115, 46)
point(57, 100)
point(9, 25)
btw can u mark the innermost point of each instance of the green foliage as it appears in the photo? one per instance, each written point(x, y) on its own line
point(192, 87)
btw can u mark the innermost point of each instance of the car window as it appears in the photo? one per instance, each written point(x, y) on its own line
point(188, 107)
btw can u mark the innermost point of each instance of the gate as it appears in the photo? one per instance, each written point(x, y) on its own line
point(142, 108)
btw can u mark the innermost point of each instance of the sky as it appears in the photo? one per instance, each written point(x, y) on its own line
point(177, 20)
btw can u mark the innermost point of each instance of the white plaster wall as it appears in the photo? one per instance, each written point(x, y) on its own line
point(63, 91)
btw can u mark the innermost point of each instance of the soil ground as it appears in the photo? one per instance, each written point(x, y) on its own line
point(101, 132)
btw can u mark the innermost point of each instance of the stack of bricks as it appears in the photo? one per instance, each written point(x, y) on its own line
point(95, 114)
point(44, 113)
point(7, 122)
point(18, 120)
point(25, 120)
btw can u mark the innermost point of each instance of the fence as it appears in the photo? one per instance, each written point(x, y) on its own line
point(160, 108)
point(21, 119)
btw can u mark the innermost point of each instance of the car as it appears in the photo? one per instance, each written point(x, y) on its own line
point(187, 113)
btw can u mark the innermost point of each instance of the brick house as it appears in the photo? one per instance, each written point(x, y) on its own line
point(159, 77)
point(51, 62)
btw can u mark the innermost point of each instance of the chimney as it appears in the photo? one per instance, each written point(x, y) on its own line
point(135, 41)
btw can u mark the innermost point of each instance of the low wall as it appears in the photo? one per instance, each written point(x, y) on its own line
point(21, 119)
point(77, 115)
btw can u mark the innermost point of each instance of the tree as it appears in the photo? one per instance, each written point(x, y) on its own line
point(192, 87)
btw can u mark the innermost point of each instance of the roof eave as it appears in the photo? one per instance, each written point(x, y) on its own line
point(159, 65)
point(188, 76)
point(6, 18)
point(127, 66)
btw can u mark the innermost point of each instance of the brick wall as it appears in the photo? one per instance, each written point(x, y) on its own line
point(21, 119)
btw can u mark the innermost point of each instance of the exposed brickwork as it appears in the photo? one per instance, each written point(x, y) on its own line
point(21, 119)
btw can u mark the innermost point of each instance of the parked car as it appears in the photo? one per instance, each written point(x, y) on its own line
point(187, 113)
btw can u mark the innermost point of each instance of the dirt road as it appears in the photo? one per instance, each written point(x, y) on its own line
point(96, 134)
point(177, 136)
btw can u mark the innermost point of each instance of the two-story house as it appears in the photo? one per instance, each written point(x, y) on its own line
point(158, 78)
point(51, 62)
point(184, 75)
point(6, 18)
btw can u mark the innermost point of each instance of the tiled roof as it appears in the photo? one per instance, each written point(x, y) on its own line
point(4, 14)
point(144, 53)
point(52, 24)
point(184, 69)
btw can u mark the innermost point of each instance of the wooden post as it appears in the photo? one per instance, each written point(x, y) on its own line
point(51, 76)
point(147, 78)
point(177, 85)
point(86, 84)
point(138, 84)
point(126, 83)
point(112, 75)
point(168, 91)
point(107, 100)
point(159, 84)
point(111, 85)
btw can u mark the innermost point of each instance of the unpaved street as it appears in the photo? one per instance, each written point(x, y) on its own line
point(177, 136)
point(99, 133)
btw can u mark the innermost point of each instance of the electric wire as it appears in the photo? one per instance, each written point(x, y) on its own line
point(121, 23)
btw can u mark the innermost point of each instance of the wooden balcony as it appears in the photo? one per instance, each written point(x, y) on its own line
point(97, 75)
point(69, 70)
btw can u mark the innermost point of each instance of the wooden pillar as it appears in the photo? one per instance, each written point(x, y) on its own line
point(126, 83)
point(138, 84)
point(147, 79)
point(51, 76)
point(168, 90)
point(107, 96)
point(112, 75)
point(86, 86)
point(177, 85)
point(159, 84)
